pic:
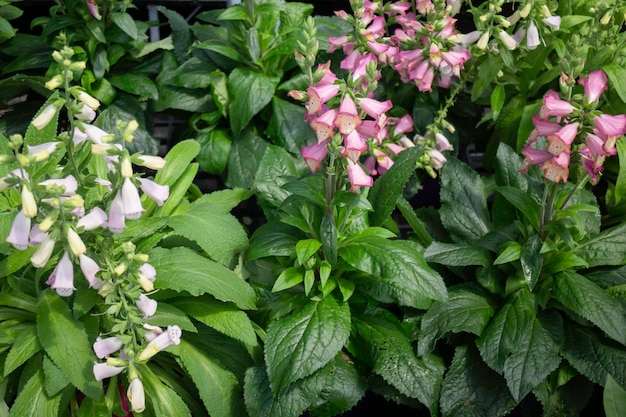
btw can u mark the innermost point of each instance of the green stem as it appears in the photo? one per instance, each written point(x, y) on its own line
point(578, 186)
point(547, 209)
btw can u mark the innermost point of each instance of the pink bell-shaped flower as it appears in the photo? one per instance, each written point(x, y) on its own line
point(20, 230)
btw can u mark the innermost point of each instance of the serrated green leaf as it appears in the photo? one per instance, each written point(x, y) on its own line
point(245, 158)
point(531, 260)
point(299, 345)
point(291, 401)
point(219, 388)
point(382, 343)
point(467, 309)
point(168, 315)
point(507, 166)
point(182, 269)
point(388, 188)
point(250, 92)
point(471, 389)
point(227, 199)
point(164, 400)
point(219, 234)
point(287, 127)
point(25, 346)
point(607, 248)
point(591, 302)
point(463, 203)
point(613, 398)
point(485, 75)
point(328, 235)
point(65, 341)
point(223, 317)
point(181, 35)
point(54, 379)
point(617, 76)
point(33, 401)
point(397, 271)
point(125, 22)
point(455, 255)
point(593, 356)
point(275, 169)
point(524, 202)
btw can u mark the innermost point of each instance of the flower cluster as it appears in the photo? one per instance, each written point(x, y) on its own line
point(560, 122)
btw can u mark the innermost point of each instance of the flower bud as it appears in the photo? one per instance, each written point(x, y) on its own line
point(42, 255)
point(55, 82)
point(130, 129)
point(29, 205)
point(74, 202)
point(126, 169)
point(76, 243)
point(45, 117)
point(86, 99)
point(136, 396)
point(525, 11)
point(507, 40)
point(47, 223)
point(77, 66)
point(56, 55)
point(483, 40)
point(151, 162)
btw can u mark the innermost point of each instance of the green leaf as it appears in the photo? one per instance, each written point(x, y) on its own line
point(168, 315)
point(485, 75)
point(531, 260)
point(33, 401)
point(307, 248)
point(274, 239)
point(524, 202)
point(164, 400)
point(455, 255)
point(245, 158)
point(298, 345)
point(614, 398)
point(181, 35)
point(381, 342)
point(507, 166)
point(219, 234)
point(328, 234)
point(467, 309)
point(25, 346)
point(223, 317)
point(397, 271)
point(472, 389)
point(594, 356)
point(182, 269)
point(214, 150)
point(591, 302)
point(291, 401)
point(463, 204)
point(498, 95)
point(287, 127)
point(289, 278)
point(226, 199)
point(54, 380)
point(607, 248)
point(250, 92)
point(236, 12)
point(125, 22)
point(274, 171)
point(617, 75)
point(511, 253)
point(137, 84)
point(388, 188)
point(65, 341)
point(219, 388)
point(507, 330)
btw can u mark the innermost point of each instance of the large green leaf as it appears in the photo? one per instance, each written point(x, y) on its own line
point(397, 271)
point(467, 309)
point(250, 92)
point(54, 380)
point(531, 260)
point(25, 346)
point(614, 398)
point(137, 84)
point(344, 388)
point(381, 342)
point(223, 317)
point(275, 169)
point(607, 248)
point(164, 400)
point(125, 22)
point(524, 202)
point(287, 127)
point(274, 239)
point(181, 35)
point(455, 255)
point(33, 401)
point(388, 188)
point(463, 203)
point(471, 389)
point(594, 356)
point(507, 168)
point(218, 387)
point(291, 401)
point(219, 234)
point(182, 269)
point(169, 315)
point(298, 345)
point(591, 302)
point(65, 341)
point(245, 158)
point(617, 75)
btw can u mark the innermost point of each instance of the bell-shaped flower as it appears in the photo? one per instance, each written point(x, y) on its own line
point(608, 125)
point(376, 109)
point(92, 220)
point(157, 192)
point(62, 277)
point(86, 113)
point(443, 144)
point(318, 95)
point(383, 160)
point(324, 125)
point(151, 162)
point(48, 147)
point(20, 230)
point(553, 21)
point(147, 275)
point(95, 134)
point(593, 167)
point(116, 222)
point(348, 118)
point(353, 146)
point(68, 184)
point(147, 305)
point(561, 140)
point(77, 246)
point(89, 268)
point(102, 370)
point(358, 178)
point(403, 125)
point(556, 169)
point(507, 40)
point(436, 159)
point(42, 255)
point(36, 235)
point(104, 347)
point(131, 199)
point(136, 396)
point(169, 337)
point(554, 106)
point(594, 85)
point(314, 154)
point(152, 332)
point(532, 37)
